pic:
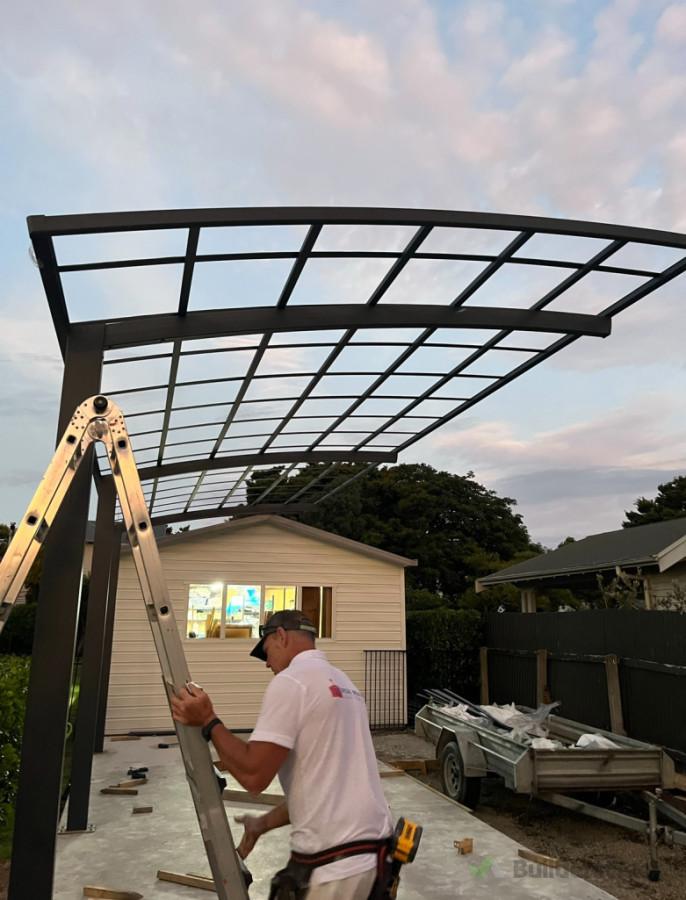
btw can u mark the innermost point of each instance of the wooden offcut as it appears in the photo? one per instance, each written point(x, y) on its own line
point(422, 765)
point(539, 858)
point(118, 790)
point(246, 797)
point(483, 664)
point(141, 809)
point(206, 884)
point(125, 737)
point(465, 846)
point(104, 893)
point(614, 695)
point(542, 692)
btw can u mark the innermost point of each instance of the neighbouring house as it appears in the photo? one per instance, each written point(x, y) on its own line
point(224, 581)
point(654, 553)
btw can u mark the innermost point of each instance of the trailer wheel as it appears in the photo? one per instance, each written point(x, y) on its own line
point(455, 783)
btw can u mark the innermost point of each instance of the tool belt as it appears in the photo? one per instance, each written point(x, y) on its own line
point(292, 883)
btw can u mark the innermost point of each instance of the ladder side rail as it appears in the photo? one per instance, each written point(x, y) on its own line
point(214, 825)
point(32, 530)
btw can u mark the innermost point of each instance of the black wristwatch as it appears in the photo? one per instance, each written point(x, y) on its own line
point(207, 729)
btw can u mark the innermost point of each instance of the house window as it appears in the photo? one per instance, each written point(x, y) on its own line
point(222, 610)
point(243, 611)
point(205, 602)
point(277, 599)
point(316, 603)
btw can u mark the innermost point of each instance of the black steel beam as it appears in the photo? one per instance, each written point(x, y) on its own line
point(299, 265)
point(491, 268)
point(44, 251)
point(394, 255)
point(91, 223)
point(108, 636)
point(49, 693)
point(138, 330)
point(107, 534)
point(260, 509)
point(262, 459)
point(188, 265)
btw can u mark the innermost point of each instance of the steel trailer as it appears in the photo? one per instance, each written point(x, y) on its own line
point(468, 751)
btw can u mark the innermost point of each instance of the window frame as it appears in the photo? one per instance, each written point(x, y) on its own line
point(225, 584)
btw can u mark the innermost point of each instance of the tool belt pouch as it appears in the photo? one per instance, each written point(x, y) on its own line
point(291, 883)
point(386, 884)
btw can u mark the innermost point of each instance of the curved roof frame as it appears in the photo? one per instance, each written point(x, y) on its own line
point(375, 328)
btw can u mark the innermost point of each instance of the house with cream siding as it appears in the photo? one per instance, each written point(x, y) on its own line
point(224, 581)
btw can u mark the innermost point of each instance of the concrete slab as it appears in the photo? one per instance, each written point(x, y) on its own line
point(126, 850)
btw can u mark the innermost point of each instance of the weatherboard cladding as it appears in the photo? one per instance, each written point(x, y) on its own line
point(626, 547)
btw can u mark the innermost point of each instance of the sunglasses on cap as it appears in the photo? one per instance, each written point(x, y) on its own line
point(264, 630)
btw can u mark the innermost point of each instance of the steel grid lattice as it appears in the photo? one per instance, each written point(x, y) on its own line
point(265, 357)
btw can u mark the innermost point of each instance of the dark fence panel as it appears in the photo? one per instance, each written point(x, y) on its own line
point(384, 688)
point(511, 676)
point(651, 647)
point(581, 688)
point(633, 633)
point(654, 704)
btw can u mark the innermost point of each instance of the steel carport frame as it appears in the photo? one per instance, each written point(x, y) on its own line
point(296, 382)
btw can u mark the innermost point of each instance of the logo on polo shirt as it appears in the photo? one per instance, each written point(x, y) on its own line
point(343, 693)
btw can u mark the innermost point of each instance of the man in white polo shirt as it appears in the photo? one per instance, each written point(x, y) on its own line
point(312, 731)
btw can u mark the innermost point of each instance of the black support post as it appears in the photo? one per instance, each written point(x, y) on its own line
point(47, 709)
point(106, 535)
point(107, 641)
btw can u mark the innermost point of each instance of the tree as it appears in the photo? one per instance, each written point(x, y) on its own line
point(5, 533)
point(448, 522)
point(34, 574)
point(670, 503)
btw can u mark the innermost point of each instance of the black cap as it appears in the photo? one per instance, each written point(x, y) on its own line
point(289, 620)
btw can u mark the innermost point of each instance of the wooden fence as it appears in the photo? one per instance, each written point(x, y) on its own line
point(619, 670)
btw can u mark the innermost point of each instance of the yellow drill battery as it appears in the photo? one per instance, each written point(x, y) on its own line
point(406, 840)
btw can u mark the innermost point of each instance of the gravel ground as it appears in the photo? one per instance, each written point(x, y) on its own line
point(610, 857)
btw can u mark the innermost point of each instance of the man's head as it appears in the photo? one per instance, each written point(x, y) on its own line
point(282, 637)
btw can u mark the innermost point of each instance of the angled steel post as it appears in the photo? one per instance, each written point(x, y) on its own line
point(116, 544)
point(47, 708)
point(91, 669)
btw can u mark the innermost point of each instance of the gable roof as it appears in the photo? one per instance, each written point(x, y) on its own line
point(660, 544)
point(307, 531)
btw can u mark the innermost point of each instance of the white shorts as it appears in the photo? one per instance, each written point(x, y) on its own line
point(355, 887)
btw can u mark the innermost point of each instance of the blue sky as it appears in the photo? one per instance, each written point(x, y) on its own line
point(557, 107)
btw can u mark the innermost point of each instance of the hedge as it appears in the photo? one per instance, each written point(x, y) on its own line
point(17, 635)
point(443, 650)
point(14, 682)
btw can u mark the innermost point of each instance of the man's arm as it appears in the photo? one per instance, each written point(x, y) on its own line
point(253, 764)
point(256, 826)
